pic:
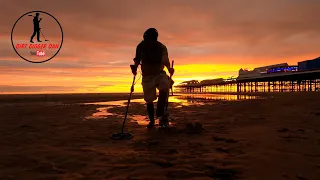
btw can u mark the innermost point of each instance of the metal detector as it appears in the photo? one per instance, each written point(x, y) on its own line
point(45, 39)
point(122, 135)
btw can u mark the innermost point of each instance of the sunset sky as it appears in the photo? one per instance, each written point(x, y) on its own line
point(206, 38)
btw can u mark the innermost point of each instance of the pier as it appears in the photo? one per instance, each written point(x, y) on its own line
point(274, 78)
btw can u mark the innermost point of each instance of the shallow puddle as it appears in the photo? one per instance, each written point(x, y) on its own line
point(101, 113)
point(143, 120)
point(179, 100)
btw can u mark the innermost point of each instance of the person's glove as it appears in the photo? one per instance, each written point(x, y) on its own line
point(171, 71)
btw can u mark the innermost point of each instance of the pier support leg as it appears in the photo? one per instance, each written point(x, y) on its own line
point(273, 86)
point(310, 85)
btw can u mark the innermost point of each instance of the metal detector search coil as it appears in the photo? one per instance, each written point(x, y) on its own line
point(121, 136)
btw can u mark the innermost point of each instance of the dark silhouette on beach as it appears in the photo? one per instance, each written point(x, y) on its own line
point(36, 28)
point(153, 57)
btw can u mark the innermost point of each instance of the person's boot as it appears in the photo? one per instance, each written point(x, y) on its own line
point(164, 121)
point(150, 110)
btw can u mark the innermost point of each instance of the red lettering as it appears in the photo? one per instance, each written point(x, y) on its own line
point(37, 46)
point(18, 46)
point(54, 46)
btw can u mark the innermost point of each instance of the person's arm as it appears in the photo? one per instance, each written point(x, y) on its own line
point(40, 19)
point(137, 58)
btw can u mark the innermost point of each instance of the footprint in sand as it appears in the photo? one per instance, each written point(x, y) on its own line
point(289, 135)
point(219, 173)
point(161, 162)
point(224, 150)
point(48, 168)
point(171, 151)
point(283, 130)
point(184, 174)
point(227, 140)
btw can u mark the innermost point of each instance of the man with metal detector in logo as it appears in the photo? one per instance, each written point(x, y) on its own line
point(153, 56)
point(36, 27)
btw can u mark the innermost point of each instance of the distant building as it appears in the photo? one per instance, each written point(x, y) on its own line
point(282, 69)
point(212, 81)
point(191, 82)
point(260, 71)
point(309, 65)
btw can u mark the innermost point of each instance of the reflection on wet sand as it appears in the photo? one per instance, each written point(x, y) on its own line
point(101, 113)
point(143, 120)
point(117, 103)
point(208, 97)
point(179, 100)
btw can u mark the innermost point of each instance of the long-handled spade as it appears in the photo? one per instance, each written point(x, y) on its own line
point(122, 135)
point(171, 81)
point(166, 113)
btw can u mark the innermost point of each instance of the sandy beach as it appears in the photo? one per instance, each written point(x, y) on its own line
point(272, 138)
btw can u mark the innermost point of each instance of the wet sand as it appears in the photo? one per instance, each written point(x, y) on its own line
point(273, 138)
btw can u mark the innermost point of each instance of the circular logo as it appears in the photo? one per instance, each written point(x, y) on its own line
point(37, 36)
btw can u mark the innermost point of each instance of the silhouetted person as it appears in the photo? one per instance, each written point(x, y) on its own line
point(153, 57)
point(36, 28)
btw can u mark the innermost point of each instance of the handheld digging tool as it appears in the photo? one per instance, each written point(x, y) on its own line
point(122, 135)
point(166, 113)
point(171, 81)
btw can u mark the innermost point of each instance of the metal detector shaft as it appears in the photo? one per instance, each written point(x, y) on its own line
point(43, 36)
point(131, 91)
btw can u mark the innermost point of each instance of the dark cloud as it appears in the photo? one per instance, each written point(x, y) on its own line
point(109, 26)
